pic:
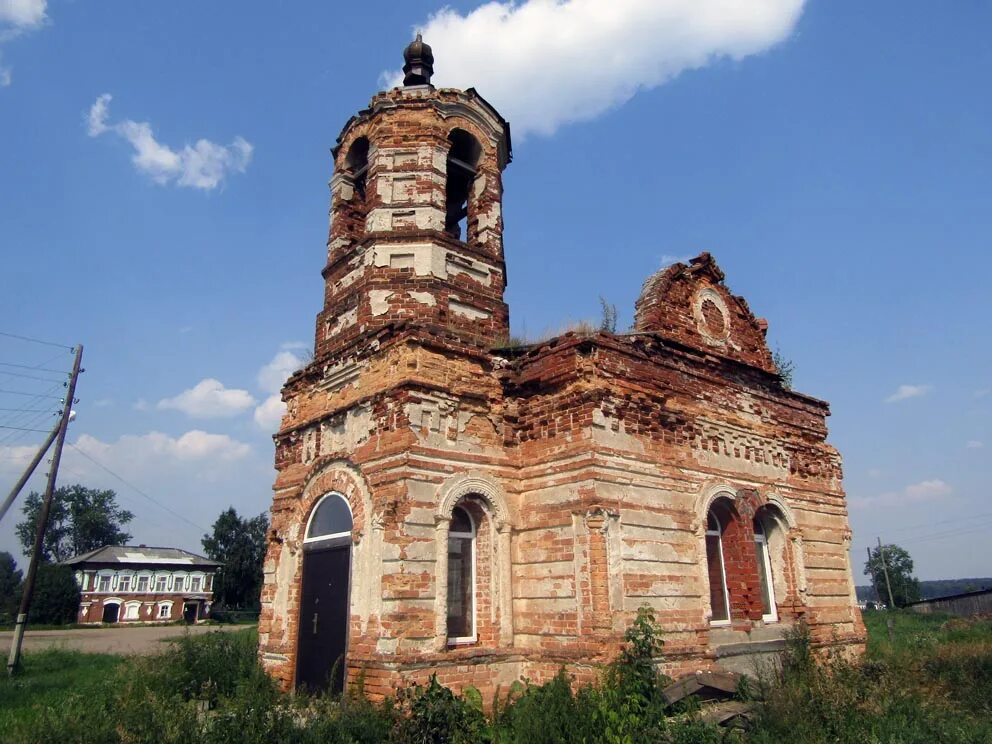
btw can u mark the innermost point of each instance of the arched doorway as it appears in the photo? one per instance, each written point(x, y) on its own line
point(324, 603)
point(111, 612)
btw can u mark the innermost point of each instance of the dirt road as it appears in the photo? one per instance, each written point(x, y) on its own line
point(133, 640)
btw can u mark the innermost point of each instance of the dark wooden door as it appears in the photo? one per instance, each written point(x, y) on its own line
point(110, 612)
point(324, 619)
point(189, 612)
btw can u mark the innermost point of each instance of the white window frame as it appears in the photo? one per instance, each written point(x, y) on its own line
point(179, 583)
point(198, 581)
point(137, 584)
point(164, 582)
point(128, 606)
point(167, 606)
point(718, 533)
point(122, 578)
point(99, 583)
point(313, 513)
point(456, 641)
point(766, 566)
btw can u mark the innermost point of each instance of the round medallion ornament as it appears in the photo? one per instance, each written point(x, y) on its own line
point(712, 316)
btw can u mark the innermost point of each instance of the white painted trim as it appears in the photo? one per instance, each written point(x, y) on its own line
point(718, 532)
point(766, 566)
point(473, 535)
point(313, 513)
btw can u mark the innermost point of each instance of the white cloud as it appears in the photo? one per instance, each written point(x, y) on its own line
point(18, 17)
point(140, 405)
point(983, 392)
point(272, 376)
point(203, 165)
point(193, 445)
point(209, 399)
point(545, 63)
point(96, 120)
point(269, 414)
point(905, 392)
point(928, 490)
point(974, 444)
point(22, 14)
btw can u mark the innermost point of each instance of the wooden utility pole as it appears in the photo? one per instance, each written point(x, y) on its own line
point(878, 594)
point(885, 570)
point(30, 469)
point(46, 506)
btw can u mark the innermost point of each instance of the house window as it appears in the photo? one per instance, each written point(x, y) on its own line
point(160, 583)
point(131, 611)
point(124, 584)
point(103, 584)
point(194, 584)
point(719, 599)
point(164, 611)
point(208, 583)
point(178, 583)
point(461, 577)
point(142, 583)
point(768, 611)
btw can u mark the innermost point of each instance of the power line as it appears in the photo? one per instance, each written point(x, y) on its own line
point(39, 367)
point(31, 395)
point(29, 410)
point(35, 340)
point(27, 377)
point(21, 428)
point(138, 490)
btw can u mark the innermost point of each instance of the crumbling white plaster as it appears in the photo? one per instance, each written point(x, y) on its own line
point(346, 430)
point(424, 298)
point(468, 311)
point(379, 301)
point(611, 432)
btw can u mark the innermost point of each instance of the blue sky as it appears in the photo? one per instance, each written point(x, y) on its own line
point(833, 156)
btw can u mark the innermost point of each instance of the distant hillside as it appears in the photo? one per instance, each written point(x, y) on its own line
point(938, 588)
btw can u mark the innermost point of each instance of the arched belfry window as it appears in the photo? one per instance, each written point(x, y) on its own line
point(330, 522)
point(765, 526)
point(716, 568)
point(357, 164)
point(463, 160)
point(461, 577)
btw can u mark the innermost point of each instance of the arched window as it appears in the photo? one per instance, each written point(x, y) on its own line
point(719, 598)
point(461, 577)
point(350, 204)
point(463, 158)
point(357, 163)
point(764, 526)
point(331, 520)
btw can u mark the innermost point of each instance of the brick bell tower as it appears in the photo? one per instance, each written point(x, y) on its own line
point(416, 220)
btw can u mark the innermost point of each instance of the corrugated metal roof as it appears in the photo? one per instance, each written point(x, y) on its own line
point(131, 554)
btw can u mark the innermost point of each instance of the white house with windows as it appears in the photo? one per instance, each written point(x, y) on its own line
point(124, 583)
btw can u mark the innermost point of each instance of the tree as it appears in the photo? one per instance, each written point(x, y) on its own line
point(81, 519)
point(785, 366)
point(905, 586)
point(608, 319)
point(56, 596)
point(240, 545)
point(10, 587)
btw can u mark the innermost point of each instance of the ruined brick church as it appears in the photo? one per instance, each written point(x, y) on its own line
point(446, 502)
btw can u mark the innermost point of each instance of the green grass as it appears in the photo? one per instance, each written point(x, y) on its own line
point(46, 677)
point(932, 682)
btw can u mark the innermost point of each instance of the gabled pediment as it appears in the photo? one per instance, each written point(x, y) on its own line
point(690, 304)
